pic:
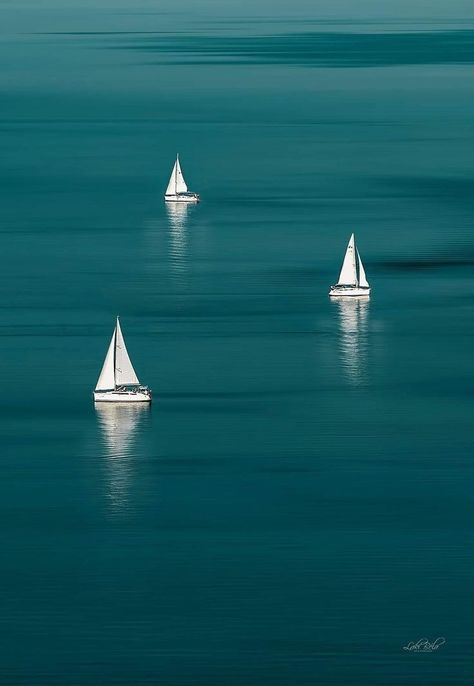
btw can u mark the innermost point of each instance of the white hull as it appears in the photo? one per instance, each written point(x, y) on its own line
point(349, 292)
point(182, 197)
point(122, 396)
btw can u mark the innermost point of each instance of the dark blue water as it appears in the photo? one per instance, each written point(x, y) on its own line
point(296, 506)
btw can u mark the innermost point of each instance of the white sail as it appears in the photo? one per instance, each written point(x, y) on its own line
point(348, 275)
point(176, 184)
point(106, 380)
point(181, 186)
point(171, 190)
point(124, 371)
point(363, 283)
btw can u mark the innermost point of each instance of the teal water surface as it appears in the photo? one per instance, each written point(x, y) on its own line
point(296, 506)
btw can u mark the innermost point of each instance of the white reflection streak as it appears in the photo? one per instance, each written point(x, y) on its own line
point(177, 216)
point(353, 320)
point(119, 424)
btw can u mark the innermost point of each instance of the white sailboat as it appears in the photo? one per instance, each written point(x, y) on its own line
point(177, 190)
point(352, 279)
point(118, 381)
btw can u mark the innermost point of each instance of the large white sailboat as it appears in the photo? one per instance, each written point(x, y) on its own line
point(118, 381)
point(352, 279)
point(177, 190)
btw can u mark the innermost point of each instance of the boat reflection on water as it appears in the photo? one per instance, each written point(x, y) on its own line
point(178, 216)
point(353, 340)
point(119, 423)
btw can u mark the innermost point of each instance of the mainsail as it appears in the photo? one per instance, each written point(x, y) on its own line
point(176, 184)
point(106, 380)
point(117, 369)
point(348, 275)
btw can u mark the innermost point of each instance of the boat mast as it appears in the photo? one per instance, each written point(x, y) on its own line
point(115, 354)
point(355, 255)
point(176, 174)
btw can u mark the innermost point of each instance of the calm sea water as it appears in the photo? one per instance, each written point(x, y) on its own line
point(296, 506)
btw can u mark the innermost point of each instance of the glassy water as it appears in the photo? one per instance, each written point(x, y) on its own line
point(296, 505)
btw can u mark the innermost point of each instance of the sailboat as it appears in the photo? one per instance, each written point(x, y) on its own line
point(177, 190)
point(118, 381)
point(352, 279)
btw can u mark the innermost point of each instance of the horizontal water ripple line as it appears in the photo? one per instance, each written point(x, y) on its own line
point(323, 49)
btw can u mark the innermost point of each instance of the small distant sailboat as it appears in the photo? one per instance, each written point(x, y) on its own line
point(352, 279)
point(118, 381)
point(177, 190)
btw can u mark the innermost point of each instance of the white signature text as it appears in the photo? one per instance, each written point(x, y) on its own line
point(424, 645)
